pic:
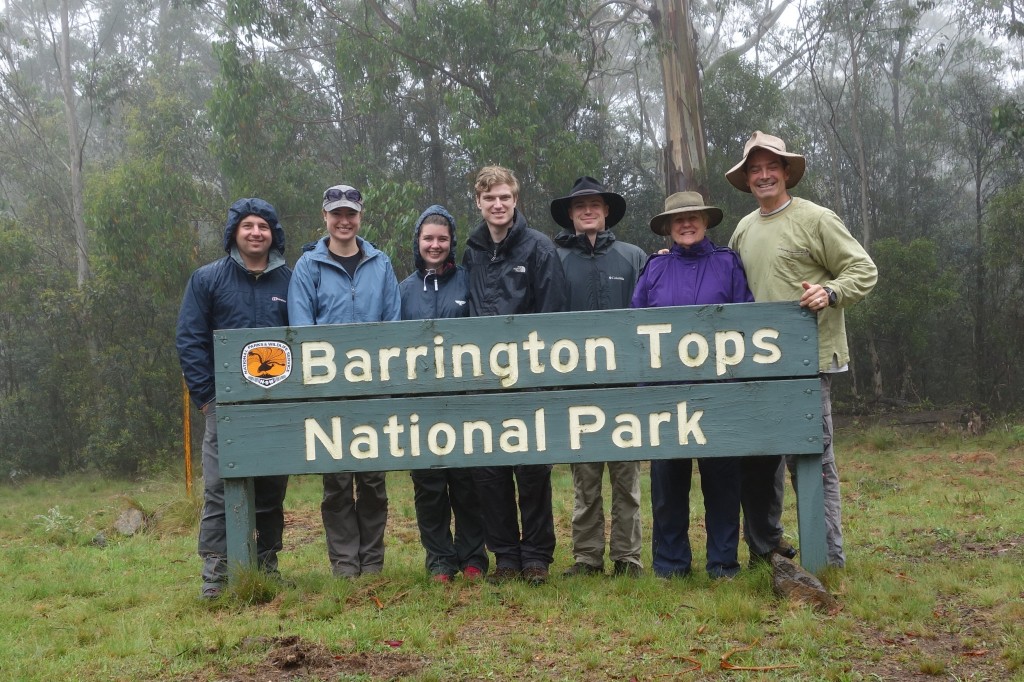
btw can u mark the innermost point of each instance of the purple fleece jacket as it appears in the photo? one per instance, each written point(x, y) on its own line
point(701, 275)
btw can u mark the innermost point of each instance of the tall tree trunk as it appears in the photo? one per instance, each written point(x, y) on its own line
point(685, 150)
point(75, 151)
point(438, 166)
point(981, 358)
point(865, 193)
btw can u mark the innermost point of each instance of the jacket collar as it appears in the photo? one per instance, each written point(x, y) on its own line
point(579, 241)
point(696, 251)
point(275, 261)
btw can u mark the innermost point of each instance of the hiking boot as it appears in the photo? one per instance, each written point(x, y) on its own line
point(211, 591)
point(580, 568)
point(628, 569)
point(443, 578)
point(535, 575)
point(783, 549)
point(503, 574)
point(472, 574)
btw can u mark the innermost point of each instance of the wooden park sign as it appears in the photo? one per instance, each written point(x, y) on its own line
point(657, 383)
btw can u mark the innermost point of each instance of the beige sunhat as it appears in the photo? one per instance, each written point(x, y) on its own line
point(737, 177)
point(684, 202)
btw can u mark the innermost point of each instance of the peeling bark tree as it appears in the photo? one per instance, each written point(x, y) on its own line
point(685, 152)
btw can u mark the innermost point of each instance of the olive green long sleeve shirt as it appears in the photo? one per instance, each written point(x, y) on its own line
point(806, 243)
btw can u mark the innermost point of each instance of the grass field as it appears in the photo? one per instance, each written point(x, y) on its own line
point(934, 589)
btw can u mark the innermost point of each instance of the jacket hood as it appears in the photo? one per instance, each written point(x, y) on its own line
point(252, 206)
point(436, 209)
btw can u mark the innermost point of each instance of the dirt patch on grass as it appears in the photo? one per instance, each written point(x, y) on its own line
point(955, 648)
point(304, 527)
point(292, 658)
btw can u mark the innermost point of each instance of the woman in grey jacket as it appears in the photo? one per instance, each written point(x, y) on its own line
point(439, 288)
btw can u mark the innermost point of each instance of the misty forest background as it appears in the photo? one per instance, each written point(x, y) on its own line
point(128, 126)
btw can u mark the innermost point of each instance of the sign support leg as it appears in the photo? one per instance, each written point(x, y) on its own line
point(240, 517)
point(810, 510)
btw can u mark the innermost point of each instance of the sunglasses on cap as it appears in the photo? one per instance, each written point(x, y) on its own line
point(339, 194)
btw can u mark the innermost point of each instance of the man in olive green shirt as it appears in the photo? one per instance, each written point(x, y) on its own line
point(793, 249)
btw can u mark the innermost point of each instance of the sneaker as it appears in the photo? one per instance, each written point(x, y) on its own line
point(503, 575)
point(443, 578)
point(535, 575)
point(628, 569)
point(580, 568)
point(472, 574)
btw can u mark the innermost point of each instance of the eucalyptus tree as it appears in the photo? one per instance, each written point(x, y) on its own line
point(977, 146)
point(44, 51)
point(685, 38)
point(421, 94)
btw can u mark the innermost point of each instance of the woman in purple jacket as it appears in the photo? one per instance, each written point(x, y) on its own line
point(693, 272)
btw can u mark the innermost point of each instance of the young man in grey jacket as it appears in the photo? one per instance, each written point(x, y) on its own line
point(601, 273)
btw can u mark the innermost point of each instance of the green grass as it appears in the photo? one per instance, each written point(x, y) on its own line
point(934, 588)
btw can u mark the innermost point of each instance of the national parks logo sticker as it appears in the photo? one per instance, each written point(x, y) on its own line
point(266, 363)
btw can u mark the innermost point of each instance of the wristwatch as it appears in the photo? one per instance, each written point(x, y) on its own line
point(831, 297)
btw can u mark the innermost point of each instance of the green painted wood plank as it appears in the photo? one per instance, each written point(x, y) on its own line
point(690, 420)
point(240, 518)
point(556, 350)
point(810, 508)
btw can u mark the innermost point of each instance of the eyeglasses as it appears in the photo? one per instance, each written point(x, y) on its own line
point(339, 194)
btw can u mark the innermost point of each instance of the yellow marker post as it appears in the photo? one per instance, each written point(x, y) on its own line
point(187, 433)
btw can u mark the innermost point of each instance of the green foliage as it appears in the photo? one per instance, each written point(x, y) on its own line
point(57, 528)
point(906, 307)
point(261, 140)
point(144, 217)
point(45, 385)
point(737, 101)
point(391, 210)
point(510, 77)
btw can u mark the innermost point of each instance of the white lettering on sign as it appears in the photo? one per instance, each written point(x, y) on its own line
point(318, 355)
point(506, 361)
point(462, 359)
point(441, 437)
point(654, 332)
point(315, 433)
point(724, 358)
point(700, 346)
point(590, 419)
point(761, 342)
point(694, 349)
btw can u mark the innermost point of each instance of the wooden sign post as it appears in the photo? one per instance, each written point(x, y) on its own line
point(658, 383)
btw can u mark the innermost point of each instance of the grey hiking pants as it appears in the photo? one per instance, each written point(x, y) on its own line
point(269, 498)
point(764, 487)
point(355, 512)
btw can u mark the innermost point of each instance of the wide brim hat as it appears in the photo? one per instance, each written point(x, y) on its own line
point(684, 202)
point(737, 176)
point(588, 186)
